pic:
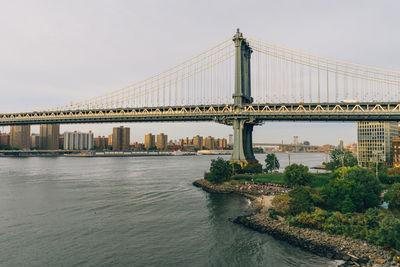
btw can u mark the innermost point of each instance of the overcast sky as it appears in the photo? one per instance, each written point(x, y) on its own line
point(55, 52)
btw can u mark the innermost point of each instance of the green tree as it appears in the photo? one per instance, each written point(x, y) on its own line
point(220, 171)
point(347, 205)
point(297, 174)
point(355, 185)
point(252, 167)
point(271, 162)
point(393, 196)
point(339, 158)
point(301, 200)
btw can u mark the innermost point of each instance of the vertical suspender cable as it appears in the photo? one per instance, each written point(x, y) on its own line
point(327, 83)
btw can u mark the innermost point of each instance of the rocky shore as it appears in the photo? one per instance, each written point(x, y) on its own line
point(353, 252)
point(213, 188)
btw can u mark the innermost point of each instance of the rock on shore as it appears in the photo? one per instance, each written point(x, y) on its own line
point(352, 251)
point(224, 188)
point(214, 188)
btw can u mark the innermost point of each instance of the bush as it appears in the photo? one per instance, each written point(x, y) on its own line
point(314, 220)
point(252, 167)
point(242, 177)
point(297, 174)
point(236, 168)
point(301, 200)
point(281, 204)
point(375, 226)
point(220, 171)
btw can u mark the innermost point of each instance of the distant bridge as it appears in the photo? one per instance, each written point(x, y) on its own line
point(311, 147)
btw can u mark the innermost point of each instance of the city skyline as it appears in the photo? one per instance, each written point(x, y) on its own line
point(140, 137)
point(316, 133)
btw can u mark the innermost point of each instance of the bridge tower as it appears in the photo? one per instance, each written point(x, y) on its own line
point(242, 127)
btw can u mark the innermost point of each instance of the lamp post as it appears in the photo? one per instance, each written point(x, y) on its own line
point(288, 156)
point(274, 161)
point(376, 156)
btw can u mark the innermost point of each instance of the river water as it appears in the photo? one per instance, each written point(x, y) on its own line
point(138, 211)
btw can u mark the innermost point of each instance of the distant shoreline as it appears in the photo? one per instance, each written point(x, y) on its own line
point(102, 154)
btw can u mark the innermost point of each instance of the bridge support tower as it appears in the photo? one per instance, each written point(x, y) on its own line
point(242, 127)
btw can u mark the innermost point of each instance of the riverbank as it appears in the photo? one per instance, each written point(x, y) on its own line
point(260, 201)
point(354, 252)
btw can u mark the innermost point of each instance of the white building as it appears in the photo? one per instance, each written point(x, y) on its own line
point(78, 141)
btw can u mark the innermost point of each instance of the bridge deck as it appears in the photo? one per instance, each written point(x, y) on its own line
point(220, 113)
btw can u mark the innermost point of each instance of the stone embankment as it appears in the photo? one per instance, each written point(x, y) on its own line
point(354, 252)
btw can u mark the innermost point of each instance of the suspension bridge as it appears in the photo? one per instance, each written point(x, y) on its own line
point(241, 85)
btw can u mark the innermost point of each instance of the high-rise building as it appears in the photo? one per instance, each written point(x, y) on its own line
point(230, 140)
point(181, 142)
point(295, 140)
point(209, 143)
point(4, 139)
point(396, 152)
point(20, 136)
point(35, 141)
point(351, 148)
point(340, 145)
point(375, 141)
point(198, 142)
point(120, 138)
point(223, 143)
point(188, 141)
point(61, 141)
point(100, 142)
point(110, 141)
point(149, 141)
point(78, 141)
point(49, 136)
point(162, 141)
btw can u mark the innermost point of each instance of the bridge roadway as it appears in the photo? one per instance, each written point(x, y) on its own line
point(255, 113)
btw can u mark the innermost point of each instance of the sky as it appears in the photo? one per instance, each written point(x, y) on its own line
point(55, 52)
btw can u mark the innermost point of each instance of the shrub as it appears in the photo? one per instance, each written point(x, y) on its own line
point(281, 204)
point(241, 177)
point(375, 226)
point(236, 168)
point(301, 200)
point(252, 167)
point(314, 220)
point(297, 174)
